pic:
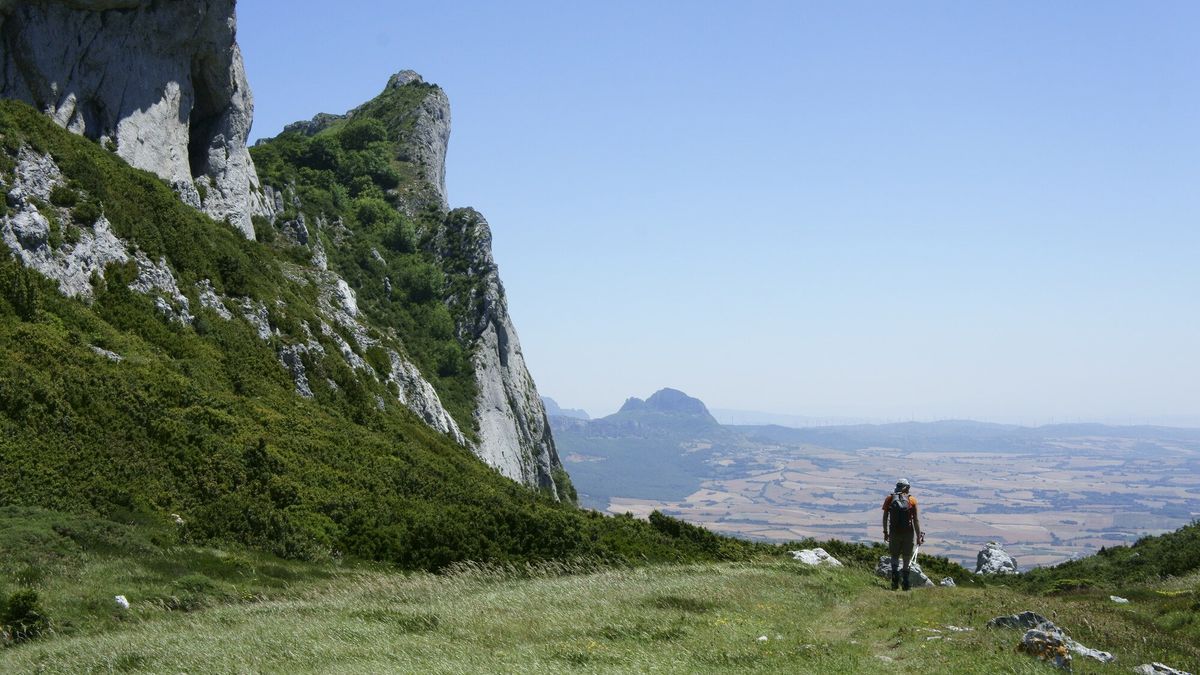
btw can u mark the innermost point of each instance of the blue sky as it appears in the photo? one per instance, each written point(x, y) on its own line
point(886, 210)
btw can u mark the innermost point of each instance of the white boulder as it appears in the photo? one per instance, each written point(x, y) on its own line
point(993, 559)
point(815, 557)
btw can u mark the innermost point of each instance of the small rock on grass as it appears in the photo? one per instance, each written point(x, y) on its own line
point(1157, 668)
point(1047, 646)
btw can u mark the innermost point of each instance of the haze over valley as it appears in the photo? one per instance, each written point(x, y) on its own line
point(1048, 493)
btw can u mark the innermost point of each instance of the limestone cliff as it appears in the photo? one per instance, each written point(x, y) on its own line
point(513, 434)
point(514, 431)
point(161, 82)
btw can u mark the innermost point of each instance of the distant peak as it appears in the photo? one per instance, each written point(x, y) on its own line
point(667, 401)
point(632, 403)
point(404, 77)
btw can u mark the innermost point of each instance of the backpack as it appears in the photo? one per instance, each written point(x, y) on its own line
point(899, 513)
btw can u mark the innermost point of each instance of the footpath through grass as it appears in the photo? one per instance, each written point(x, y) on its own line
point(679, 619)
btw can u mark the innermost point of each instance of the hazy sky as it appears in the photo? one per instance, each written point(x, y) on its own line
point(890, 210)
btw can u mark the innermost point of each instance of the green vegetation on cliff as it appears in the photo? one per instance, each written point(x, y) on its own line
point(203, 421)
point(378, 213)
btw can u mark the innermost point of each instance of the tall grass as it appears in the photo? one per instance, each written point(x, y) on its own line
point(580, 617)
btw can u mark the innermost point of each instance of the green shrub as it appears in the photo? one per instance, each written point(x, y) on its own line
point(361, 132)
point(87, 212)
point(374, 213)
point(264, 231)
point(322, 152)
point(22, 617)
point(63, 196)
point(20, 287)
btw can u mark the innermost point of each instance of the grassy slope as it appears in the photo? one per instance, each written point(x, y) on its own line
point(678, 618)
point(207, 609)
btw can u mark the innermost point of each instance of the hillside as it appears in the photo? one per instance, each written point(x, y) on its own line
point(338, 379)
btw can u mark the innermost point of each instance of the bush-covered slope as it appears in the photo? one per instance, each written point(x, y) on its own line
point(201, 420)
point(1148, 560)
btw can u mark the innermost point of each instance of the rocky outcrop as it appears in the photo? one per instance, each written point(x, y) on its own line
point(815, 557)
point(27, 231)
point(161, 82)
point(1047, 646)
point(993, 559)
point(1048, 641)
point(430, 135)
point(514, 432)
point(423, 141)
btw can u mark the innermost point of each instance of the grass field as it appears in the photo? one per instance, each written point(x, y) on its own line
point(291, 617)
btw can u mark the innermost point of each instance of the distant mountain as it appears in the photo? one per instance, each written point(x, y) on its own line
point(666, 411)
point(554, 410)
point(649, 448)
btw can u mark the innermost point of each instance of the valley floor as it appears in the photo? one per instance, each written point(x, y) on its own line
point(669, 619)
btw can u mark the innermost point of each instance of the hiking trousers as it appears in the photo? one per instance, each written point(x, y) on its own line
point(900, 547)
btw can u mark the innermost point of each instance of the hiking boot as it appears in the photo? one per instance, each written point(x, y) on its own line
point(895, 580)
point(906, 586)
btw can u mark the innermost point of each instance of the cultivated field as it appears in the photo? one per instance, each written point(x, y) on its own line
point(1062, 499)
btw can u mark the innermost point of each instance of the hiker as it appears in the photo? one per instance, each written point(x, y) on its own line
point(901, 529)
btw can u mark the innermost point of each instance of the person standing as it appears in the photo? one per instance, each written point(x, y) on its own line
point(901, 530)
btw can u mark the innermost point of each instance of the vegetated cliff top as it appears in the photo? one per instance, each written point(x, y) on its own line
point(368, 188)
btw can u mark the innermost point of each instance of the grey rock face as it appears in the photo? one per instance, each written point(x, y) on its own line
point(155, 278)
point(418, 395)
point(110, 355)
point(209, 299)
point(431, 133)
point(993, 559)
point(26, 231)
point(514, 433)
point(164, 81)
point(917, 577)
point(290, 357)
